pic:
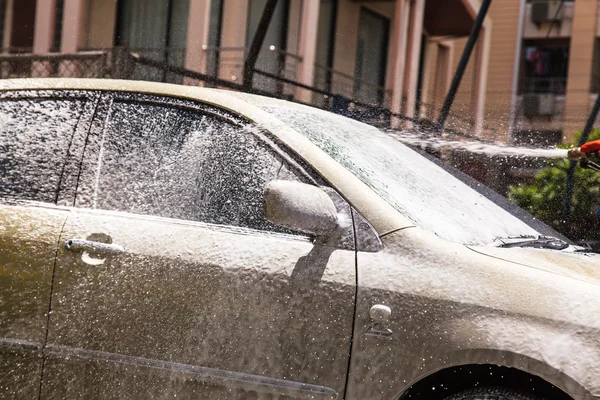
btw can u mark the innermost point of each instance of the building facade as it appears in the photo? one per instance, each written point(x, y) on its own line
point(544, 70)
point(532, 79)
point(395, 54)
point(559, 69)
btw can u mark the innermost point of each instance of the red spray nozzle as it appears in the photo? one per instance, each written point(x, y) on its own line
point(590, 147)
point(577, 153)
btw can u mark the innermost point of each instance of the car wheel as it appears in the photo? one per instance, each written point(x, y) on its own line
point(491, 394)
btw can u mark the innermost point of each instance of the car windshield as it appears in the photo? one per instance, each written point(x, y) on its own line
point(415, 186)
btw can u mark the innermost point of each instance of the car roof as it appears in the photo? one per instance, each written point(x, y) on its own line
point(378, 212)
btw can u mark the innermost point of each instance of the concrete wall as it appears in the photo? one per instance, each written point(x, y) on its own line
point(459, 114)
point(233, 34)
point(501, 72)
point(99, 28)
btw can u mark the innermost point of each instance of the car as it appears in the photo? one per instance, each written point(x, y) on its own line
point(160, 240)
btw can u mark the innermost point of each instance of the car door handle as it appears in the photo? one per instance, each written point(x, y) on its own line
point(93, 247)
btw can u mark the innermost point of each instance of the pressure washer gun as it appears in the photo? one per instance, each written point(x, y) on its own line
point(583, 153)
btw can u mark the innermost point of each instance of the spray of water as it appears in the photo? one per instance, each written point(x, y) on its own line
point(425, 141)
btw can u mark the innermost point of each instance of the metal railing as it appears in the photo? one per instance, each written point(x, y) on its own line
point(333, 91)
point(90, 64)
point(555, 85)
point(362, 90)
point(276, 64)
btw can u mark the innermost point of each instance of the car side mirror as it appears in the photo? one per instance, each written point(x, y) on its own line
point(301, 207)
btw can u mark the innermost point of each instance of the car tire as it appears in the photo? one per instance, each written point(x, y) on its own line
point(492, 394)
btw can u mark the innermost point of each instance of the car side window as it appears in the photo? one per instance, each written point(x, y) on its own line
point(177, 162)
point(35, 135)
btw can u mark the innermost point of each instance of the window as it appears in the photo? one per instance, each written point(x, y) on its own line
point(371, 57)
point(156, 29)
point(176, 162)
point(35, 135)
point(325, 47)
point(272, 61)
point(58, 25)
point(214, 38)
point(544, 66)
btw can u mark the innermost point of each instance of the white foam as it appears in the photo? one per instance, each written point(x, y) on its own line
point(491, 149)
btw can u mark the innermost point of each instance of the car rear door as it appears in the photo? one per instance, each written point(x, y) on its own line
point(41, 134)
point(171, 283)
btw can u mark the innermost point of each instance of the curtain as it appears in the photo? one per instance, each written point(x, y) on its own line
point(144, 26)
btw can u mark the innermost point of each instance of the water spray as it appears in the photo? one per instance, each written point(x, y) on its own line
point(583, 153)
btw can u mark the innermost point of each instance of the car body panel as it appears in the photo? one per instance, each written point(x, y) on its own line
point(192, 308)
point(29, 234)
point(575, 265)
point(453, 306)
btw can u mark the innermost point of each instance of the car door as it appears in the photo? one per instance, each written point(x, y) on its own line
point(171, 283)
point(41, 134)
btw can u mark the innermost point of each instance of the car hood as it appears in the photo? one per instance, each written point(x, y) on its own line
point(580, 266)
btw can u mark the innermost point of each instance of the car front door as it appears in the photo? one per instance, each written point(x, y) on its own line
point(40, 134)
point(169, 282)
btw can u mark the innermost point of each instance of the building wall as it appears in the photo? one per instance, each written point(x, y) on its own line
point(100, 23)
point(578, 26)
point(571, 110)
point(501, 70)
point(583, 38)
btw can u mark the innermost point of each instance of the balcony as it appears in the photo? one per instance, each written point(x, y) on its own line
point(540, 15)
point(554, 85)
point(540, 104)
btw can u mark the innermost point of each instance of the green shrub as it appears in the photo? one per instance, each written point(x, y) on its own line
point(545, 198)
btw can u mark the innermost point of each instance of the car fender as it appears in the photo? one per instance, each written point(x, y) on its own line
point(453, 306)
point(568, 359)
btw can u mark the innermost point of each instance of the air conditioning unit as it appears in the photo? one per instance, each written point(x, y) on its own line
point(538, 105)
point(545, 11)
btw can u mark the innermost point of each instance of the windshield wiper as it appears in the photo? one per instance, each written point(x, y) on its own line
point(538, 242)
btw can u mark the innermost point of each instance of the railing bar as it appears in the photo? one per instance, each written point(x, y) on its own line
point(284, 80)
